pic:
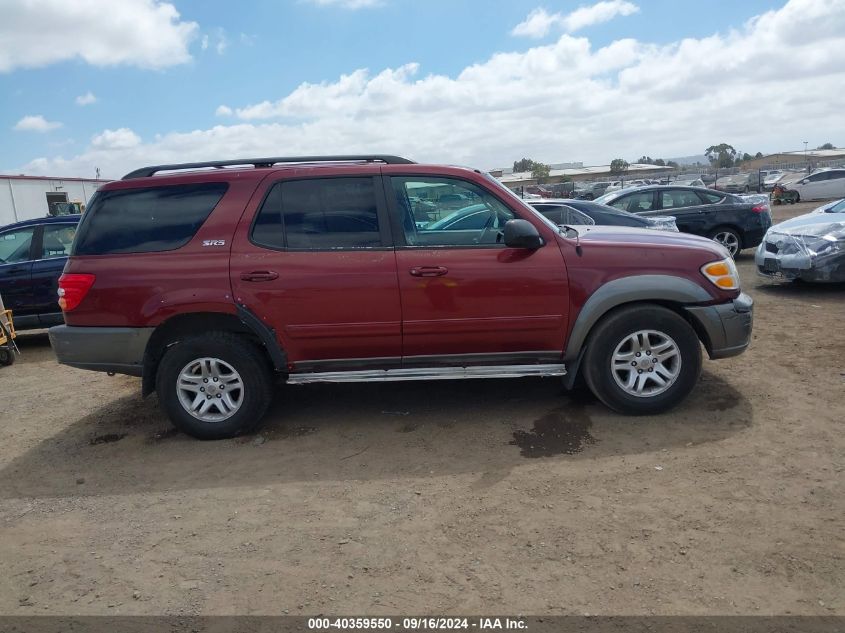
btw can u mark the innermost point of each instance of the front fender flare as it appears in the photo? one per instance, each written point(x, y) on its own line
point(628, 290)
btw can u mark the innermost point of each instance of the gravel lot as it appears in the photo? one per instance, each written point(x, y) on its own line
point(502, 496)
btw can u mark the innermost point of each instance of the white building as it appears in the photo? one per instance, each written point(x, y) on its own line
point(26, 197)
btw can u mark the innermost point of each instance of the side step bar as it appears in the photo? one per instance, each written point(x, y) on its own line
point(429, 373)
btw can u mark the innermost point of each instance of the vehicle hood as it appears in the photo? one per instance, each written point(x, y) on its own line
point(811, 221)
point(647, 238)
point(812, 224)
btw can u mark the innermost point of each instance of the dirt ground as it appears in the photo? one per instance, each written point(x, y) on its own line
point(502, 496)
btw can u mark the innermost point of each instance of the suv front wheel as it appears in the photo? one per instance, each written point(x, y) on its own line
point(642, 359)
point(215, 385)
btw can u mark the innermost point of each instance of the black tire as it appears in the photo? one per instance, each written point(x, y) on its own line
point(615, 328)
point(7, 356)
point(245, 357)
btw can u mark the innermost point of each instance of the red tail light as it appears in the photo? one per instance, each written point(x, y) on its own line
point(73, 288)
point(759, 208)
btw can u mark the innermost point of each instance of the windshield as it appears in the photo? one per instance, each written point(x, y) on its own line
point(839, 207)
point(606, 198)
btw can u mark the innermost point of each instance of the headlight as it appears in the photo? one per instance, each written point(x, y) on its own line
point(722, 274)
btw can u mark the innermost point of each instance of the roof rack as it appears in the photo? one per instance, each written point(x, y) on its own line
point(143, 172)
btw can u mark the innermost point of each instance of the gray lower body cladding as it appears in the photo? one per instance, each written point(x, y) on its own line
point(727, 326)
point(111, 349)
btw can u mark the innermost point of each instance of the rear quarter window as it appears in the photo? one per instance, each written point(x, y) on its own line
point(146, 220)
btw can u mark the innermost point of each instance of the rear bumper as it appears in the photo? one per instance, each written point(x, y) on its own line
point(727, 326)
point(111, 349)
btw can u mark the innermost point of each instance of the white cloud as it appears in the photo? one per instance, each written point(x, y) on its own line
point(223, 110)
point(87, 99)
point(120, 139)
point(145, 33)
point(347, 4)
point(36, 123)
point(204, 42)
point(222, 41)
point(539, 22)
point(558, 102)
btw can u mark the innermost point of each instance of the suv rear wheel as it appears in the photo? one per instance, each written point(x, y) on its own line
point(643, 359)
point(214, 385)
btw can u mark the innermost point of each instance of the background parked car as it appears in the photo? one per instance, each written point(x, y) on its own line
point(575, 212)
point(590, 190)
point(820, 185)
point(625, 184)
point(32, 256)
point(688, 181)
point(728, 219)
point(772, 178)
point(739, 183)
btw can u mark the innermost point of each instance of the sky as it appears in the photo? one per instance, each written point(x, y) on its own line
point(118, 84)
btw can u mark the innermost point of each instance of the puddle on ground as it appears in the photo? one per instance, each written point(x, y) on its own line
point(563, 431)
point(106, 439)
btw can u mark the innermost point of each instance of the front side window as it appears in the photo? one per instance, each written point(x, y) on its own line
point(57, 240)
point(636, 202)
point(146, 220)
point(15, 245)
point(456, 212)
point(319, 214)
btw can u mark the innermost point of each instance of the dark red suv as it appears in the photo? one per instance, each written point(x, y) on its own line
point(209, 280)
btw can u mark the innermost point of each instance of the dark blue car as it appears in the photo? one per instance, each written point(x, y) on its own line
point(32, 256)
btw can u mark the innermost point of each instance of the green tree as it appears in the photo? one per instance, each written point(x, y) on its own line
point(526, 164)
point(672, 164)
point(618, 166)
point(826, 146)
point(758, 155)
point(721, 155)
point(540, 172)
point(660, 162)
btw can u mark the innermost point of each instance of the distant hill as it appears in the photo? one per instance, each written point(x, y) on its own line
point(691, 160)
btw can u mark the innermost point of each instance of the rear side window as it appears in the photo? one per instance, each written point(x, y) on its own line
point(709, 198)
point(319, 214)
point(146, 220)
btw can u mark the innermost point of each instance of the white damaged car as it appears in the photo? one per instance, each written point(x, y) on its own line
point(810, 247)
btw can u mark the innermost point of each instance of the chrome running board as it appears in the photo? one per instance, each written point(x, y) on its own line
point(429, 373)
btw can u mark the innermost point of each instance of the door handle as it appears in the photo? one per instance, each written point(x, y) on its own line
point(428, 271)
point(260, 275)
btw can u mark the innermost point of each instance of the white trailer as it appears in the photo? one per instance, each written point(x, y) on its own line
point(27, 197)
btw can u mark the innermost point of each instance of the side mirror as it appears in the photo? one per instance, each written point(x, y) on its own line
point(522, 234)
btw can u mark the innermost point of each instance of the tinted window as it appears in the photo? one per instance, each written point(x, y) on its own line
point(57, 240)
point(563, 214)
point(709, 198)
point(817, 177)
point(836, 175)
point(14, 245)
point(146, 220)
point(674, 198)
point(636, 202)
point(478, 219)
point(319, 214)
point(617, 219)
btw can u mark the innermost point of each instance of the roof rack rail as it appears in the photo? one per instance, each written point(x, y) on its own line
point(143, 172)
